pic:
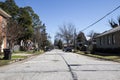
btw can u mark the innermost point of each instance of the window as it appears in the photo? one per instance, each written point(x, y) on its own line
point(4, 23)
point(100, 41)
point(113, 38)
point(103, 40)
point(108, 39)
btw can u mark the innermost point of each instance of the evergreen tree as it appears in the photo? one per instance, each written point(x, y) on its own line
point(11, 8)
point(35, 18)
point(60, 44)
point(26, 22)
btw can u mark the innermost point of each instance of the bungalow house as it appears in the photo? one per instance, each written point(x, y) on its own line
point(3, 23)
point(109, 40)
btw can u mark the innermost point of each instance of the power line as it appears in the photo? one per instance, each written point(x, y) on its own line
point(101, 18)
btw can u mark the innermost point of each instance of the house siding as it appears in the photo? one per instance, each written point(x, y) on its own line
point(111, 40)
point(117, 38)
point(3, 24)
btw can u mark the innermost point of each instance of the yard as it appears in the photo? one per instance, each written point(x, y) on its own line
point(104, 56)
point(18, 56)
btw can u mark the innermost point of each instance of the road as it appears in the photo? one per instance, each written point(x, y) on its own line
point(58, 65)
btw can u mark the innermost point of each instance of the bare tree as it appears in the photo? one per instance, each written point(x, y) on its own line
point(66, 32)
point(113, 24)
point(91, 34)
point(118, 20)
point(37, 37)
point(14, 32)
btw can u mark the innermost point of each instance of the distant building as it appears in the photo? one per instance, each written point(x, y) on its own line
point(3, 23)
point(109, 40)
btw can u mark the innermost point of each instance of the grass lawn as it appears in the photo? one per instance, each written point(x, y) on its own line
point(29, 52)
point(4, 62)
point(105, 57)
point(18, 57)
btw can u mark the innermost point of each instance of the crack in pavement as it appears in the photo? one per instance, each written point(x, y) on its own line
point(36, 71)
point(74, 75)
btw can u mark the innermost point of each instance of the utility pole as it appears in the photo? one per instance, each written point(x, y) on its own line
point(74, 40)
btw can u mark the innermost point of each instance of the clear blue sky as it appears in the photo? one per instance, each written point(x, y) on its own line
point(81, 13)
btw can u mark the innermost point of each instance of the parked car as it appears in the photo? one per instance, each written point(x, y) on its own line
point(83, 48)
point(47, 48)
point(67, 49)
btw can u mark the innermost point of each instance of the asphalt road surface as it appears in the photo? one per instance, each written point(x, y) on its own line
point(59, 65)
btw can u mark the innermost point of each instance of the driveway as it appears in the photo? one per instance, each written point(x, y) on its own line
point(59, 65)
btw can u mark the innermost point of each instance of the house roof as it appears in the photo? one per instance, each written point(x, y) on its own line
point(109, 31)
point(3, 13)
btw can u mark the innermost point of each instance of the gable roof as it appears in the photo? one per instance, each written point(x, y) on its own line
point(3, 13)
point(109, 31)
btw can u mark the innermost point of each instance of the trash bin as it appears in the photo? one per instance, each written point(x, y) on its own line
point(7, 54)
